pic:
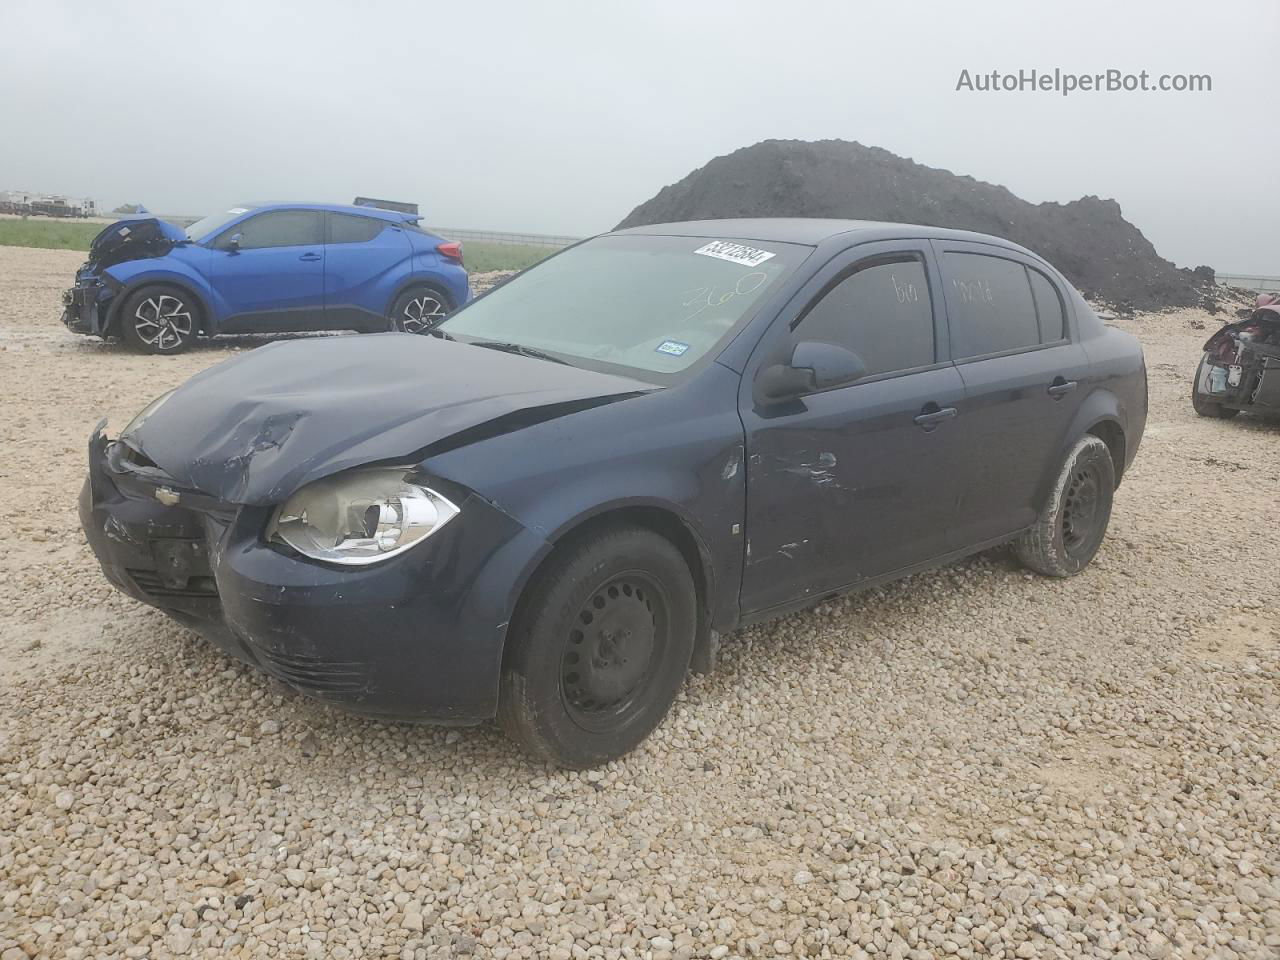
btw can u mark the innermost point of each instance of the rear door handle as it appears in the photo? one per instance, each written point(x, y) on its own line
point(310, 256)
point(935, 416)
point(1060, 387)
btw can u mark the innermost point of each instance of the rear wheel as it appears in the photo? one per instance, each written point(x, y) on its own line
point(1074, 521)
point(418, 310)
point(1206, 407)
point(159, 319)
point(600, 648)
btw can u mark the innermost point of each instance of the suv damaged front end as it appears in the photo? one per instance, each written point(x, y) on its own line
point(1241, 365)
point(87, 304)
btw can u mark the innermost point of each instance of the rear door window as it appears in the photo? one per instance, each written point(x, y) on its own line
point(881, 311)
point(277, 228)
point(347, 228)
point(993, 310)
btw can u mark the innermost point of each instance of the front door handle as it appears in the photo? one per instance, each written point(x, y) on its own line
point(310, 256)
point(932, 415)
point(1061, 387)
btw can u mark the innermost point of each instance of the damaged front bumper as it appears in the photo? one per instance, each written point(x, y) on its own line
point(1241, 367)
point(419, 636)
point(86, 307)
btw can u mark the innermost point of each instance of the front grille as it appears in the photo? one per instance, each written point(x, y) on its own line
point(315, 673)
point(149, 582)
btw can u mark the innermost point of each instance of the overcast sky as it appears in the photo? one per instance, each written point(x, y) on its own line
point(561, 117)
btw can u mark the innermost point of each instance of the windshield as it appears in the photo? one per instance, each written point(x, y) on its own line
point(646, 306)
point(207, 226)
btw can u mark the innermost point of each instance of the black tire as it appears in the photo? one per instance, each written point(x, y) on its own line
point(418, 310)
point(599, 649)
point(1074, 522)
point(1207, 408)
point(159, 319)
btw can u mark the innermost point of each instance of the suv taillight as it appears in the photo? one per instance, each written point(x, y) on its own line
point(451, 250)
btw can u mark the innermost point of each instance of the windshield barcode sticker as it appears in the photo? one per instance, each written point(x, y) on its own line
point(672, 348)
point(734, 253)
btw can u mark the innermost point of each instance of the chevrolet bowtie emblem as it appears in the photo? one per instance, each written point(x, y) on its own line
point(168, 497)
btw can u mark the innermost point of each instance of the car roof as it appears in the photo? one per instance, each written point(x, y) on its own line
point(810, 230)
point(394, 216)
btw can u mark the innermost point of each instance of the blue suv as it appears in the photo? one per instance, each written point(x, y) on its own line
point(267, 268)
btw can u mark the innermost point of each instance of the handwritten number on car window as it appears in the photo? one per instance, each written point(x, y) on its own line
point(706, 297)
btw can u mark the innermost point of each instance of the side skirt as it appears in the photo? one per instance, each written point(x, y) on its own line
point(804, 603)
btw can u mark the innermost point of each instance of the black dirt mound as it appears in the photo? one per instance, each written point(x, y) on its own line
point(1103, 254)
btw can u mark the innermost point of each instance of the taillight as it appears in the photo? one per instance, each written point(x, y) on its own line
point(451, 250)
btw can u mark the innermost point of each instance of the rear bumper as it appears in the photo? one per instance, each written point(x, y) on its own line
point(418, 637)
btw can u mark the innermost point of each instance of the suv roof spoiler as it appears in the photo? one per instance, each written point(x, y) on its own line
point(396, 206)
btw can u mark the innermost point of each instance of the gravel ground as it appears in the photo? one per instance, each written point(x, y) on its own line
point(974, 762)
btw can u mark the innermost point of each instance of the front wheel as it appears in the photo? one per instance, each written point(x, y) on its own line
point(600, 648)
point(418, 310)
point(1072, 524)
point(159, 319)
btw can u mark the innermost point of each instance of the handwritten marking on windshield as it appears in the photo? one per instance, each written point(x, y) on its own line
point(706, 297)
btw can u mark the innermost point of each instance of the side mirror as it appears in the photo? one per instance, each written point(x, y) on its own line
point(813, 366)
point(233, 242)
point(778, 382)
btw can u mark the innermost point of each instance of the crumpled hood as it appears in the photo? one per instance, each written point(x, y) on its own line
point(255, 428)
point(132, 238)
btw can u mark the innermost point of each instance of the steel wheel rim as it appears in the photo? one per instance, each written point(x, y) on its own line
point(162, 322)
point(422, 313)
point(613, 651)
point(1081, 509)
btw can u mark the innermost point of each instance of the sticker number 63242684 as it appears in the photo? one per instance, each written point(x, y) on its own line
point(734, 253)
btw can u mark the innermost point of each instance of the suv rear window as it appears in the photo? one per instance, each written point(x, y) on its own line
point(993, 308)
point(347, 228)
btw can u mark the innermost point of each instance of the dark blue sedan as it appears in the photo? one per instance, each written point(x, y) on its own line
point(265, 268)
point(552, 508)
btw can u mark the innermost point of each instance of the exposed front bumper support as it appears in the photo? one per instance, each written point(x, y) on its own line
point(86, 307)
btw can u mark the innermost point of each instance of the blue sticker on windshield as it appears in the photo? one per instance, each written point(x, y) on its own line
point(673, 348)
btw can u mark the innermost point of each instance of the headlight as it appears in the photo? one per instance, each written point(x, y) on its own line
point(146, 412)
point(360, 516)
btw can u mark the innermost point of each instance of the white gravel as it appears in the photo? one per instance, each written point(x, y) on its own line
point(975, 762)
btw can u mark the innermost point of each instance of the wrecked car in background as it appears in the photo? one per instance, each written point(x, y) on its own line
point(1240, 369)
point(551, 509)
point(267, 268)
